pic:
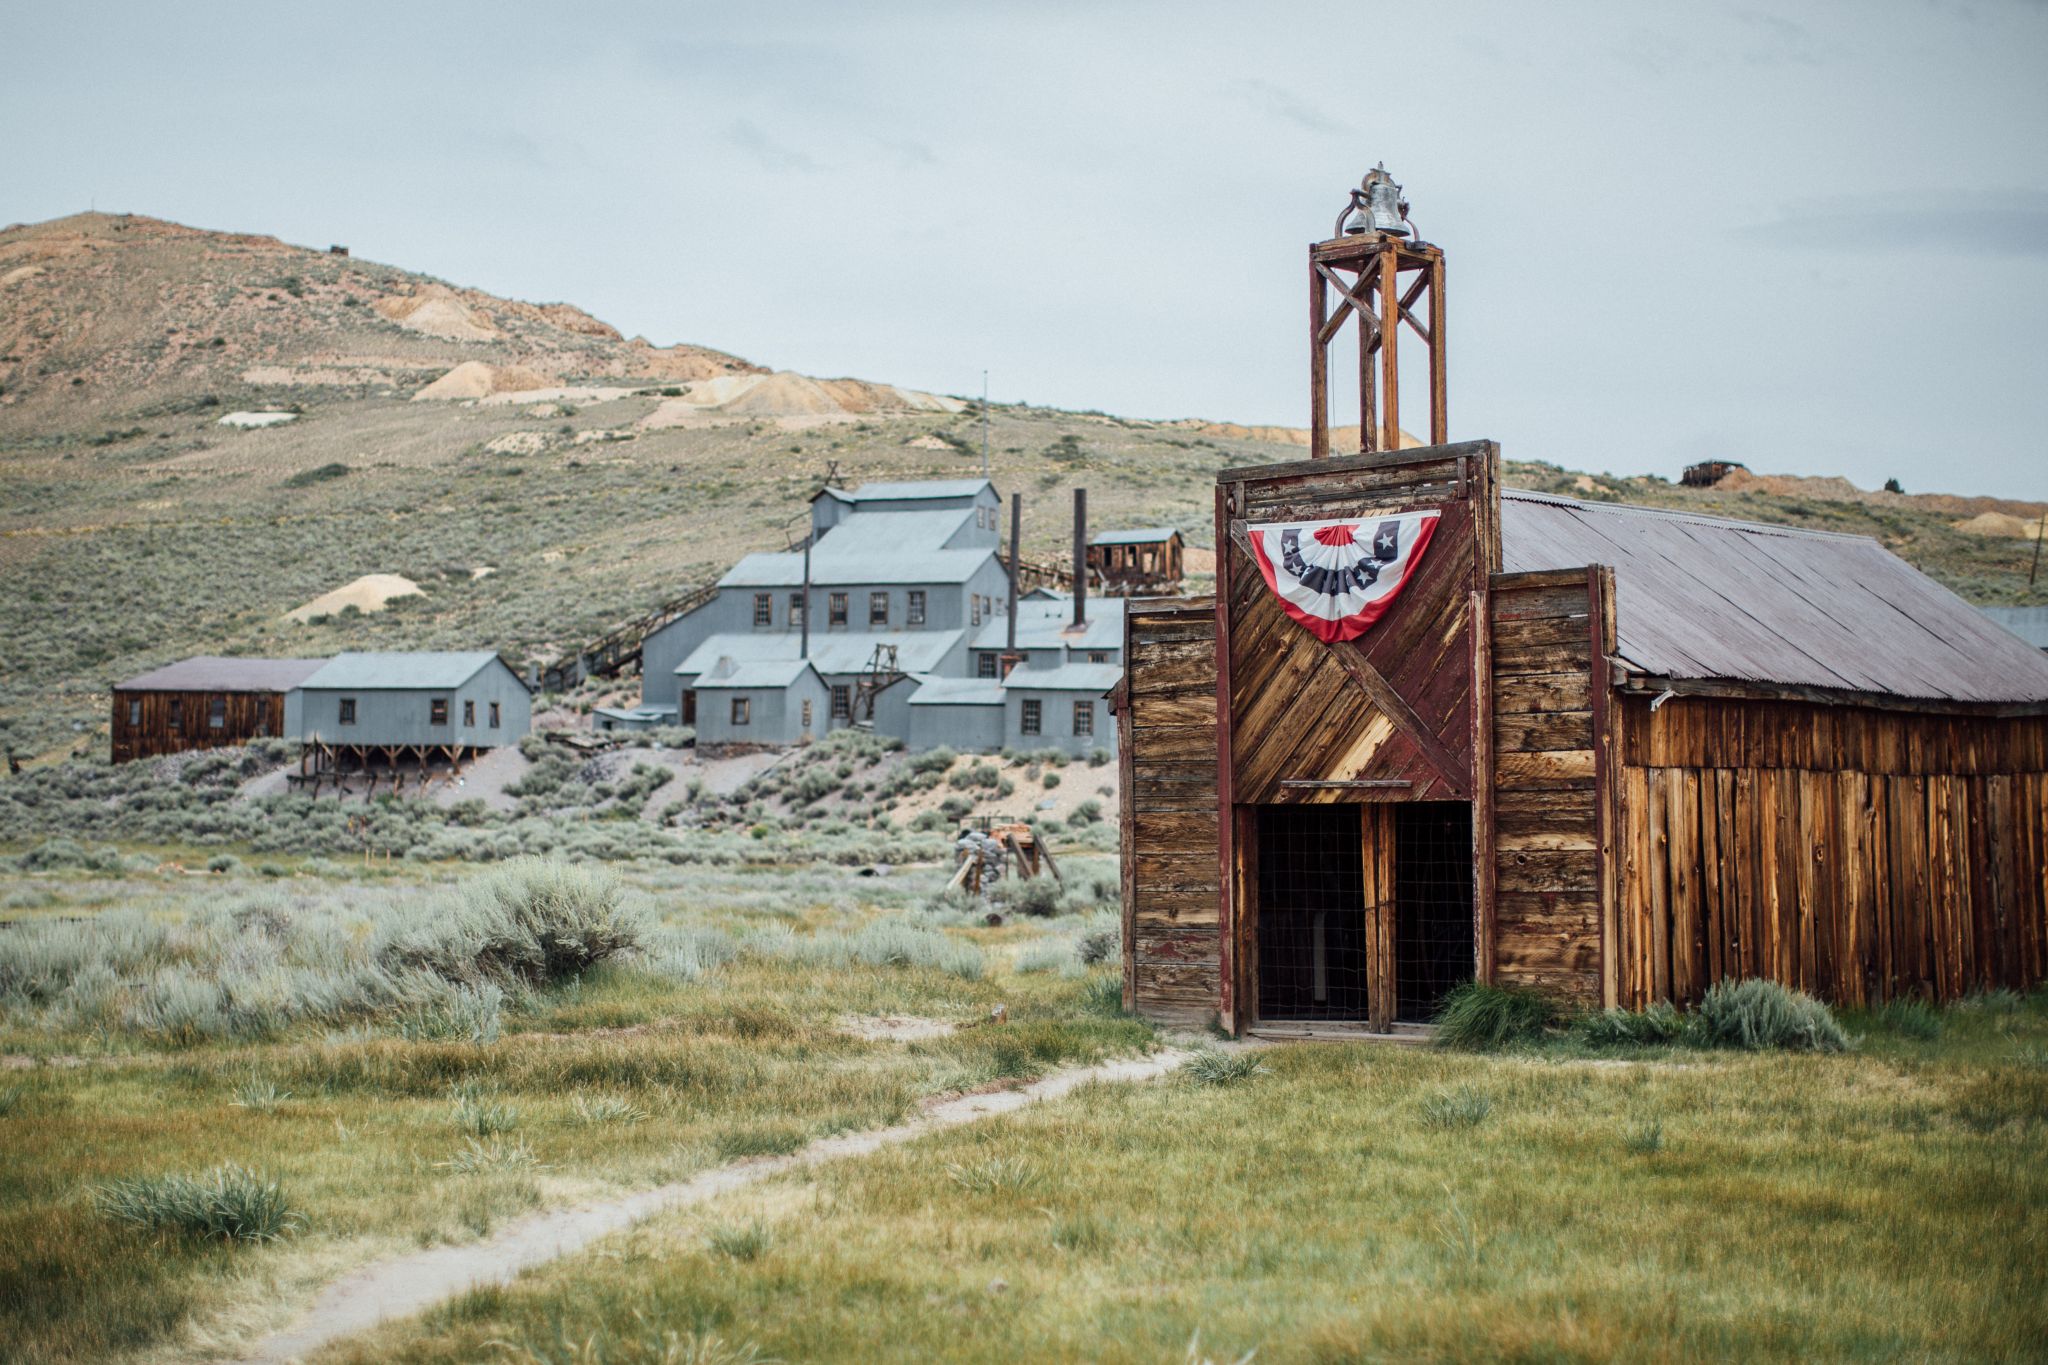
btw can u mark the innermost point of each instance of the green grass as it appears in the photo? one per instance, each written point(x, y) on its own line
point(384, 1137)
point(1884, 1203)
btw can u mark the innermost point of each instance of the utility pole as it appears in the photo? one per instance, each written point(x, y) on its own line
point(984, 424)
point(2040, 530)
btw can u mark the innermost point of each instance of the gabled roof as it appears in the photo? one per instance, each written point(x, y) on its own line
point(871, 547)
point(1042, 622)
point(1706, 598)
point(213, 673)
point(375, 672)
point(1137, 535)
point(759, 674)
point(917, 651)
point(919, 488)
point(1095, 678)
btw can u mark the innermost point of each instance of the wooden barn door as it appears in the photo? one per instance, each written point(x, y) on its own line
point(1381, 721)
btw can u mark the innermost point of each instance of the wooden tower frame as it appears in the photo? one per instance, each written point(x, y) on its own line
point(1366, 270)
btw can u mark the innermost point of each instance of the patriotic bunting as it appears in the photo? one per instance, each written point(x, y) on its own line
point(1338, 577)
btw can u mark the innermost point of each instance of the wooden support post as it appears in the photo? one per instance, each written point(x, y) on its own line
point(1390, 337)
point(1318, 371)
point(1439, 365)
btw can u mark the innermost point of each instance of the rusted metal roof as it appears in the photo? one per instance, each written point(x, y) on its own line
point(212, 673)
point(1706, 598)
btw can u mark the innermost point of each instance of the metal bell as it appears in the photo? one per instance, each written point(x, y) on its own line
point(1376, 206)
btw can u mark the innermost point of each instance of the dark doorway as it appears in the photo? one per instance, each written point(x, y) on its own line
point(1432, 905)
point(1311, 913)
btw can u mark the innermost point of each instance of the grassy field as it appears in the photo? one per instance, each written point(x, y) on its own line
point(1357, 1203)
point(155, 1030)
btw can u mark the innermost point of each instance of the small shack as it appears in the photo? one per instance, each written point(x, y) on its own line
point(1430, 731)
point(203, 703)
point(364, 707)
point(761, 702)
point(1145, 561)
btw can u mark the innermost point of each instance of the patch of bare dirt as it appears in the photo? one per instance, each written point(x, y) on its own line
point(893, 1028)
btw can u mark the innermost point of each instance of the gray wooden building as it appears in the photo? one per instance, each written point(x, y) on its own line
point(437, 701)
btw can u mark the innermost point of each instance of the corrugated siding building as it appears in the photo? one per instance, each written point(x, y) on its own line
point(460, 700)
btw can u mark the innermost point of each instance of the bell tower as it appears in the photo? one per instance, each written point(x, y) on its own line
point(1385, 277)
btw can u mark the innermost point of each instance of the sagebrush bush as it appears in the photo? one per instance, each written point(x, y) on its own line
point(231, 1203)
point(1759, 1014)
point(534, 921)
point(1480, 1017)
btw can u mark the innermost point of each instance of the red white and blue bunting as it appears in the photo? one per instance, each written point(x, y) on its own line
point(1338, 577)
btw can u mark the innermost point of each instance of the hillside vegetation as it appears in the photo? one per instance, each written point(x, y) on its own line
point(574, 488)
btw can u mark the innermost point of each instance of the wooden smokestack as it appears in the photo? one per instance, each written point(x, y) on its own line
point(1016, 526)
point(1080, 557)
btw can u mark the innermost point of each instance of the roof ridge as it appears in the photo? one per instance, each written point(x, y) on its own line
point(1680, 514)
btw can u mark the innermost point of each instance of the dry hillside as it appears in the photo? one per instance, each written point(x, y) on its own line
point(201, 432)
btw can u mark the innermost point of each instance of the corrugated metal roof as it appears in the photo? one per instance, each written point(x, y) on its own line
point(917, 651)
point(871, 547)
point(919, 488)
point(375, 672)
point(762, 673)
point(1139, 535)
point(957, 692)
point(1096, 678)
point(2029, 623)
point(213, 673)
point(1706, 598)
point(1040, 622)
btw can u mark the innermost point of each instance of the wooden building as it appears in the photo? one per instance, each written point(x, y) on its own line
point(1145, 561)
point(1611, 753)
point(203, 703)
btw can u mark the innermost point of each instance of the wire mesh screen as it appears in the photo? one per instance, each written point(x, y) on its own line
point(1432, 905)
point(1311, 913)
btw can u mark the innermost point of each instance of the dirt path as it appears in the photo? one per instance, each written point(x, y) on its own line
point(408, 1284)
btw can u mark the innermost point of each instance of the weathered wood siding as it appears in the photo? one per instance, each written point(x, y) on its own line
point(1167, 752)
point(246, 716)
point(1549, 637)
point(1298, 714)
point(1855, 853)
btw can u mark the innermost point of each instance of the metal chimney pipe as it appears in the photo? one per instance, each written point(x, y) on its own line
point(1016, 527)
point(803, 649)
point(1080, 557)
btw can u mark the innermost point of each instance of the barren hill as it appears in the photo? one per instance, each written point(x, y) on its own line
point(202, 432)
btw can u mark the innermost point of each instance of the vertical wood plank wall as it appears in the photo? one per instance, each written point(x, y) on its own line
point(1549, 637)
point(1857, 854)
point(248, 715)
point(1172, 946)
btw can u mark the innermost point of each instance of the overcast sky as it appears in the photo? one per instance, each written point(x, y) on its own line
point(1811, 237)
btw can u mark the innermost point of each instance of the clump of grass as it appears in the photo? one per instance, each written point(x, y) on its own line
point(1758, 1014)
point(482, 1114)
point(996, 1175)
point(1481, 1018)
point(1645, 1139)
point(474, 1157)
point(596, 1109)
point(1915, 1019)
point(740, 1241)
point(11, 1097)
point(1103, 994)
point(1463, 1107)
point(229, 1204)
point(1213, 1066)
point(259, 1093)
point(1078, 1232)
point(1660, 1023)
